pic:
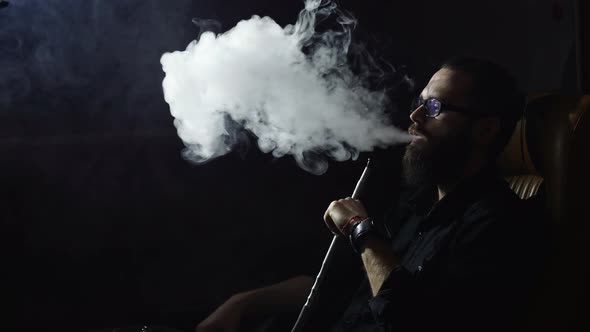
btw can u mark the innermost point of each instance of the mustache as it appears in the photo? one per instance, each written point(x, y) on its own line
point(414, 130)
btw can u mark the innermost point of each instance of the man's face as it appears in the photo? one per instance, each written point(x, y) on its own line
point(444, 142)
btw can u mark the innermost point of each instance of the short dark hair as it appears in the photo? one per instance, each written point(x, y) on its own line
point(493, 92)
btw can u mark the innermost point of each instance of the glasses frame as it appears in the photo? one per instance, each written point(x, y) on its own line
point(443, 106)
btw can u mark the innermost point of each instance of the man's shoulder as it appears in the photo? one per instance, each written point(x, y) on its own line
point(498, 200)
point(502, 212)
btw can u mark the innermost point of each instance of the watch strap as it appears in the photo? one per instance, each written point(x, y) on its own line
point(360, 231)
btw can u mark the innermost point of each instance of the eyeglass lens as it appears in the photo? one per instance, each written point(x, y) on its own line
point(431, 105)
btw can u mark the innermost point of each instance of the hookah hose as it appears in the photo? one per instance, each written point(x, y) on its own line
point(337, 241)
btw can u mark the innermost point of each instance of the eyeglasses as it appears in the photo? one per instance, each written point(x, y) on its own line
point(434, 106)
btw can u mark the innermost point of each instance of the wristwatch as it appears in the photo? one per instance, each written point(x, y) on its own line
point(360, 232)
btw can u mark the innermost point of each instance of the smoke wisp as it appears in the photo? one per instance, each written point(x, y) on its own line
point(291, 87)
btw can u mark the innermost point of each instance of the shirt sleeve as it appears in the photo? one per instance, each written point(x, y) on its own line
point(398, 285)
point(477, 285)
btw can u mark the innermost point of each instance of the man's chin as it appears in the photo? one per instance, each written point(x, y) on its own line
point(416, 145)
point(428, 162)
point(417, 164)
point(417, 148)
point(417, 140)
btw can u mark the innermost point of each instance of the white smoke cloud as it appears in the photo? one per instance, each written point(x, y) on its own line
point(295, 102)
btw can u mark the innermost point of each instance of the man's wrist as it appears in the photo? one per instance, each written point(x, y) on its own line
point(351, 224)
point(362, 231)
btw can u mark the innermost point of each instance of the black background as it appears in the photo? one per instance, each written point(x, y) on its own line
point(105, 224)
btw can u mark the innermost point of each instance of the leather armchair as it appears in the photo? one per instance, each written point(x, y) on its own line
point(548, 160)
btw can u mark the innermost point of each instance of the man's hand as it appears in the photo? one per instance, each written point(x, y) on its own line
point(341, 211)
point(225, 319)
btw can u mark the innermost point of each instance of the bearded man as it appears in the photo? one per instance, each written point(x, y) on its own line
point(462, 255)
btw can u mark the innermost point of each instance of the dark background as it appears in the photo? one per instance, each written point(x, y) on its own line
point(105, 224)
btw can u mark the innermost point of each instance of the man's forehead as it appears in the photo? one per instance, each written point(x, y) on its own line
point(448, 85)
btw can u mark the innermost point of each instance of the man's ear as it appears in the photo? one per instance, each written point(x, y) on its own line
point(485, 130)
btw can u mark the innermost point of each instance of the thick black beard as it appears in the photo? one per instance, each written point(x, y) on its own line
point(416, 170)
point(427, 164)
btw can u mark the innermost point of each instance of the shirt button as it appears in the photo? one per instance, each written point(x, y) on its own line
point(419, 234)
point(419, 268)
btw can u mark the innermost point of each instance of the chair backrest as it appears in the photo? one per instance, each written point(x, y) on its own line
point(516, 164)
point(550, 149)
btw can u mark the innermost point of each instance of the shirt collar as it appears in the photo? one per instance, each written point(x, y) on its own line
point(462, 196)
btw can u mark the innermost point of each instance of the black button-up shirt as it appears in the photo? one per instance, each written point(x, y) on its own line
point(467, 264)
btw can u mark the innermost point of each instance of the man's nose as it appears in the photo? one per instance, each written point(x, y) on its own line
point(418, 116)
